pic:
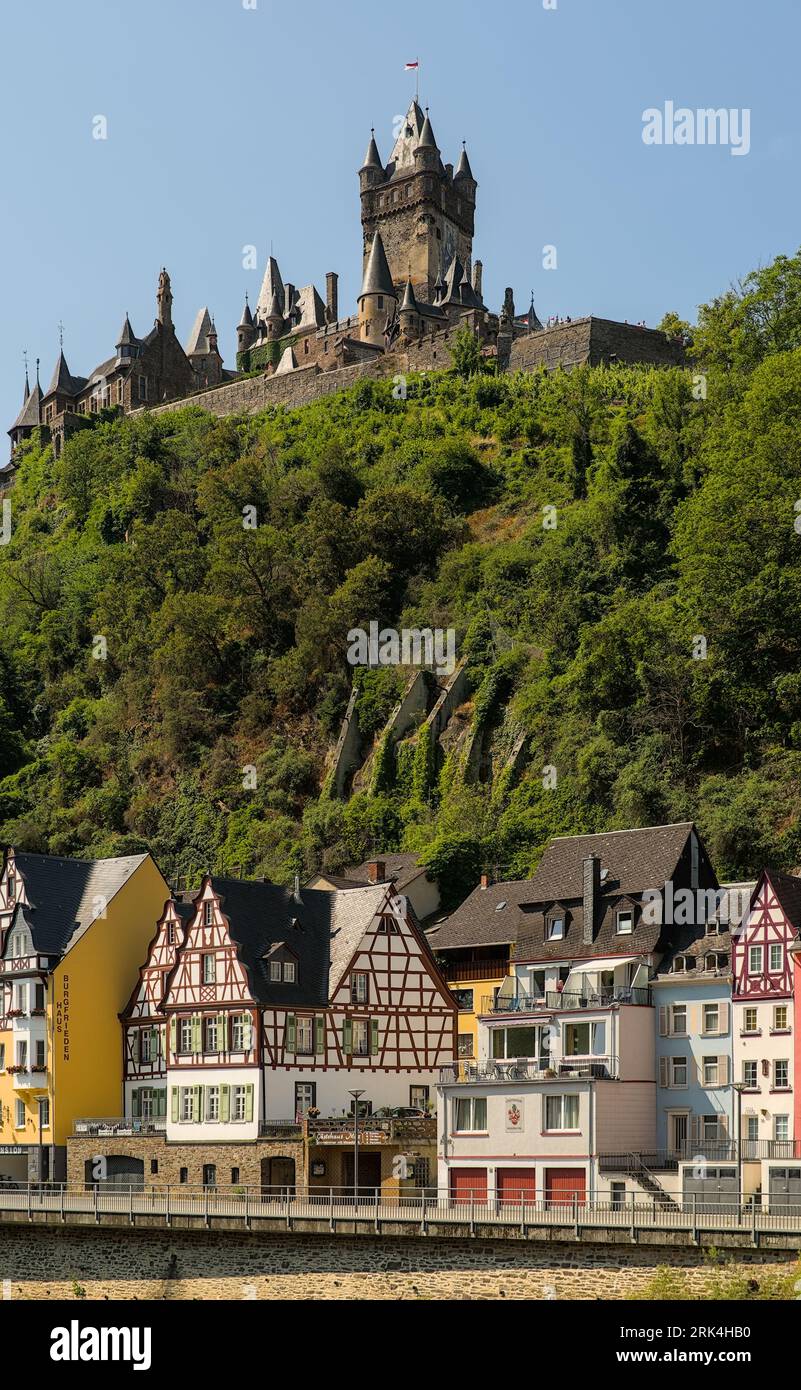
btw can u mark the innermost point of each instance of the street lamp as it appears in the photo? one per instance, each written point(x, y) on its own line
point(739, 1087)
point(356, 1098)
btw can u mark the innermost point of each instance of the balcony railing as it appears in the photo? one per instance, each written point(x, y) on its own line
point(556, 999)
point(710, 1151)
point(120, 1126)
point(24, 965)
point(475, 970)
point(409, 1129)
point(530, 1069)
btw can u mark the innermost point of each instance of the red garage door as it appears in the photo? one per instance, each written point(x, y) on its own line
point(516, 1184)
point(467, 1183)
point(563, 1184)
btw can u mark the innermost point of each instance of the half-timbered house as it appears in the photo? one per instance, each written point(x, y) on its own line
point(144, 1023)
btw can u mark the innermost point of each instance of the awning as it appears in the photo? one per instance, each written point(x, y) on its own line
point(591, 967)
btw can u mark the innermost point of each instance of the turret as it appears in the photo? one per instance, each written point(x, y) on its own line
point(409, 313)
point(426, 154)
point(246, 332)
point(127, 344)
point(164, 300)
point(372, 170)
point(274, 319)
point(378, 299)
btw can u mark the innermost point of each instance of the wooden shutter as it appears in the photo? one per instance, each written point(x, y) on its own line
point(173, 1034)
point(695, 1129)
point(319, 1034)
point(174, 1102)
point(197, 1038)
point(373, 1036)
point(289, 1033)
point(723, 1070)
point(135, 1103)
point(197, 1096)
point(347, 1035)
point(222, 1032)
point(248, 1102)
point(161, 1103)
point(664, 1071)
point(723, 1015)
point(247, 1032)
point(692, 1073)
point(663, 1021)
point(225, 1103)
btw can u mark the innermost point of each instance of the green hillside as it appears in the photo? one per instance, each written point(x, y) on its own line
point(223, 647)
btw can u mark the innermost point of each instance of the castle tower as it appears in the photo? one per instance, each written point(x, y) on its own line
point(246, 332)
point(409, 314)
point(378, 299)
point(164, 300)
point(424, 211)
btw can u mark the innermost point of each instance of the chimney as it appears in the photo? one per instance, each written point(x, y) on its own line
point(332, 296)
point(478, 278)
point(289, 299)
point(591, 885)
point(485, 880)
point(376, 870)
point(296, 889)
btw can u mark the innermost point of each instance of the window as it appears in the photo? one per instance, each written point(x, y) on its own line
point(2, 1056)
point(171, 934)
point(624, 924)
point(711, 1071)
point(40, 1052)
point(209, 1174)
point(185, 1112)
point(209, 970)
point(781, 1127)
point(154, 1165)
point(22, 1054)
point(678, 1071)
point(750, 1021)
point(289, 972)
point(359, 987)
point(237, 1103)
point(360, 1038)
point(145, 1039)
point(19, 1114)
point(780, 1019)
point(234, 1175)
point(750, 1076)
point(183, 1176)
point(678, 1018)
point(752, 1128)
point(147, 1104)
point(464, 1045)
point(561, 1112)
point(305, 1097)
point(577, 1040)
point(275, 970)
point(10, 888)
point(238, 1031)
point(143, 388)
point(464, 1000)
point(776, 958)
point(208, 914)
point(710, 1128)
point(44, 1112)
point(555, 928)
point(711, 1018)
point(418, 1097)
point(210, 1035)
point(470, 1114)
point(304, 1034)
point(185, 1035)
point(755, 960)
point(39, 998)
point(212, 1103)
point(515, 1042)
point(679, 965)
point(781, 1075)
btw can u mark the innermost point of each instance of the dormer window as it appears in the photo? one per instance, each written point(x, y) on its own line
point(624, 922)
point(282, 965)
point(679, 965)
point(500, 906)
point(711, 962)
point(555, 921)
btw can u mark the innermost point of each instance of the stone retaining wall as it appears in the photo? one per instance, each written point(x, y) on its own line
point(60, 1263)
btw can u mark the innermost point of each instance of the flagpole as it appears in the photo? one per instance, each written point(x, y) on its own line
point(417, 92)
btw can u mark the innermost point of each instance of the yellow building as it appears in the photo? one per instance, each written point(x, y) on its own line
point(72, 936)
point(474, 948)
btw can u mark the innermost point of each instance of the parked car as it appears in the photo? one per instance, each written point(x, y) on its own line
point(398, 1112)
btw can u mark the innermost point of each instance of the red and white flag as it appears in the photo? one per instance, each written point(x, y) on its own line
point(411, 66)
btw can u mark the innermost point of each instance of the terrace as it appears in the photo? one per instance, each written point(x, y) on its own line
point(530, 1069)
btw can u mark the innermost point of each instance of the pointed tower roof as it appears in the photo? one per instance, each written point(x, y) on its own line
point(409, 300)
point(377, 277)
point(427, 140)
point(199, 337)
point(451, 290)
point(27, 390)
point(63, 381)
point(127, 336)
point(275, 311)
point(372, 160)
point(246, 320)
point(463, 170)
point(272, 284)
point(402, 156)
point(28, 417)
point(534, 324)
point(467, 293)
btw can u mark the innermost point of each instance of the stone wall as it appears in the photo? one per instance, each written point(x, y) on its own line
point(42, 1263)
point(594, 341)
point(170, 1159)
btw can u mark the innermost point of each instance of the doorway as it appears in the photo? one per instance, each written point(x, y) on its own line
point(678, 1131)
point(369, 1172)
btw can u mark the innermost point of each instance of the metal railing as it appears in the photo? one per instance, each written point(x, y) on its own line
point(712, 1151)
point(428, 1211)
point(557, 999)
point(530, 1069)
point(386, 1129)
point(119, 1126)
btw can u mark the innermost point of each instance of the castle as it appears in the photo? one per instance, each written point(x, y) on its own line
point(419, 284)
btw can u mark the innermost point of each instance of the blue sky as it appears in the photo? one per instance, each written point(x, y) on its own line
point(230, 126)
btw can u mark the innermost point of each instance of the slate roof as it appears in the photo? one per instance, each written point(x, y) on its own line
point(513, 912)
point(787, 888)
point(372, 160)
point(377, 277)
point(199, 337)
point(463, 170)
point(400, 869)
point(270, 285)
point(28, 417)
point(694, 943)
point(322, 929)
point(63, 381)
point(127, 336)
point(65, 894)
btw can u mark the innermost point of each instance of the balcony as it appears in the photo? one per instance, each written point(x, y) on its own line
point(554, 1000)
point(530, 1069)
point(24, 965)
point(28, 1077)
point(475, 970)
point(120, 1127)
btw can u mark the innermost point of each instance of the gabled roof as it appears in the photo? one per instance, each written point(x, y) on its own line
point(288, 362)
point(272, 284)
point(694, 943)
point(67, 895)
point(377, 277)
point(399, 869)
point(787, 888)
point(199, 337)
point(309, 308)
point(402, 157)
point(452, 290)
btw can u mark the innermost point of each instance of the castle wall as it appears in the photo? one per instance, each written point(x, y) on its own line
point(594, 341)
